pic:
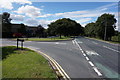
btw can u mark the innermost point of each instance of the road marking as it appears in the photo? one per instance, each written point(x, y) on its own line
point(73, 42)
point(111, 49)
point(91, 53)
point(33, 47)
point(97, 71)
point(91, 63)
point(60, 69)
point(87, 58)
point(94, 42)
point(80, 42)
point(84, 54)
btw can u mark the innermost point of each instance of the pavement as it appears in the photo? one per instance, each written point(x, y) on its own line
point(102, 57)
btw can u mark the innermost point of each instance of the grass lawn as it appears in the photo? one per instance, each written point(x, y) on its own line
point(46, 39)
point(24, 64)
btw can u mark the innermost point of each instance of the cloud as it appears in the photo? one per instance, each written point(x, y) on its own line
point(30, 11)
point(7, 4)
point(17, 17)
point(83, 20)
point(32, 22)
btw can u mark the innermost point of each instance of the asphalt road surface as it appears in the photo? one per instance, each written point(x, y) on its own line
point(80, 58)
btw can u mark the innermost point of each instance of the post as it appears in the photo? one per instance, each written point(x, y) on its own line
point(105, 29)
point(105, 33)
point(17, 43)
point(21, 45)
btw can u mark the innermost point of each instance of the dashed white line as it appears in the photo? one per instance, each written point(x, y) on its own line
point(91, 63)
point(111, 49)
point(94, 68)
point(87, 58)
point(97, 71)
point(84, 54)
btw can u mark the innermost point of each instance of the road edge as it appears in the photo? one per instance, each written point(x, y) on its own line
point(61, 74)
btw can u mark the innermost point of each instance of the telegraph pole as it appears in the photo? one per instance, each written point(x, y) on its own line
point(105, 29)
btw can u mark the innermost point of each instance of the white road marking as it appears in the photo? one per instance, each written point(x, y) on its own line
point(111, 49)
point(94, 42)
point(33, 47)
point(84, 54)
point(97, 71)
point(91, 63)
point(80, 42)
point(91, 53)
point(73, 41)
point(87, 58)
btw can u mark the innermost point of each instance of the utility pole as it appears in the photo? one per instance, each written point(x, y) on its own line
point(105, 29)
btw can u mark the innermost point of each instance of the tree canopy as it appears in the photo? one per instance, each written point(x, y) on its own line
point(105, 26)
point(66, 27)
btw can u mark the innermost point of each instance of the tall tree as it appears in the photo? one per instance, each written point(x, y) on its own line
point(105, 26)
point(66, 27)
point(40, 31)
point(22, 29)
point(6, 24)
point(90, 29)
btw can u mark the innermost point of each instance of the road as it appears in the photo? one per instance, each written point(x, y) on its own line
point(102, 57)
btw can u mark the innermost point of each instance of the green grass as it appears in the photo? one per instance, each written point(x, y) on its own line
point(24, 64)
point(114, 42)
point(46, 39)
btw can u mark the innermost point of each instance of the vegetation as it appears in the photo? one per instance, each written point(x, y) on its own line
point(66, 27)
point(6, 23)
point(46, 39)
point(103, 28)
point(24, 64)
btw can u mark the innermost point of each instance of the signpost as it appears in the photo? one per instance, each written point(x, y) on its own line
point(22, 40)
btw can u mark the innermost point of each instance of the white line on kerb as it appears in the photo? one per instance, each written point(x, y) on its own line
point(96, 70)
point(111, 49)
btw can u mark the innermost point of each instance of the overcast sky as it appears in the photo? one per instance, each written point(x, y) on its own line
point(39, 12)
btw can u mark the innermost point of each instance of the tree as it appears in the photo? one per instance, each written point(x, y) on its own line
point(66, 27)
point(22, 30)
point(6, 24)
point(105, 26)
point(40, 31)
point(90, 30)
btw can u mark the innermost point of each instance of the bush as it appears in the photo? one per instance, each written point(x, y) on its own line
point(115, 38)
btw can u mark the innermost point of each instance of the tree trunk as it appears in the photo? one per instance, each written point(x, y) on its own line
point(60, 36)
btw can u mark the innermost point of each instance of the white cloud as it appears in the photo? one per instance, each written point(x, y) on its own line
point(68, 14)
point(83, 20)
point(30, 11)
point(45, 15)
point(17, 17)
point(32, 22)
point(7, 4)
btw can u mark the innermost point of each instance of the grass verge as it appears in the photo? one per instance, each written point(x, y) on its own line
point(24, 64)
point(114, 42)
point(46, 39)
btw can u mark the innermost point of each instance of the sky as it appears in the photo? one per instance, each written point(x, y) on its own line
point(33, 13)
